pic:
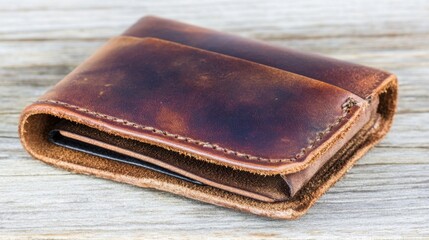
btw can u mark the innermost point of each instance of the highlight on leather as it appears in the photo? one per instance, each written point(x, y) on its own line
point(213, 117)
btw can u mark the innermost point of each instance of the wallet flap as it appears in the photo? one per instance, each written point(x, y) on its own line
point(358, 79)
point(217, 108)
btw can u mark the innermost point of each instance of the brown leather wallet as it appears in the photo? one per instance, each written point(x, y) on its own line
point(213, 117)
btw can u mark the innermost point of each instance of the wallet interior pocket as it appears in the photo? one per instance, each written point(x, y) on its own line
point(91, 141)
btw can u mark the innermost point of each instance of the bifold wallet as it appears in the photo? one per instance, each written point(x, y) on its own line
point(212, 117)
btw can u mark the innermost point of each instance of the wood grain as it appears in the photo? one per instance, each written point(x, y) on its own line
point(386, 195)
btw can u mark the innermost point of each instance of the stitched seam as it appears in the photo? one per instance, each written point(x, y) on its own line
point(346, 106)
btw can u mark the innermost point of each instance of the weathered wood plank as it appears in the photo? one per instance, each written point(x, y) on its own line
point(385, 195)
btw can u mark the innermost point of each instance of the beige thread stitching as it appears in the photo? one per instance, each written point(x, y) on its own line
point(346, 106)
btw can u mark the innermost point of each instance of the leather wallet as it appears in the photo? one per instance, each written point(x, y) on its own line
point(213, 117)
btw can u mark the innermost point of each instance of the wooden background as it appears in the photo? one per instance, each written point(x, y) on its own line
point(386, 195)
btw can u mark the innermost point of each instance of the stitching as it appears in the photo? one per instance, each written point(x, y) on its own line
point(369, 99)
point(346, 106)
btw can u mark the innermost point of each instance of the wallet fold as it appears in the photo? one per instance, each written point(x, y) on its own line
point(213, 117)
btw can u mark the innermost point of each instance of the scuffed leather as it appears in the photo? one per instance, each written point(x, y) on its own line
point(358, 79)
point(214, 107)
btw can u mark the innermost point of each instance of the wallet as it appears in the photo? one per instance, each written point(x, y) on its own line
point(213, 117)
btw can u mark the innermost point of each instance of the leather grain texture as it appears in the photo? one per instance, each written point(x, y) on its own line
point(230, 106)
point(215, 107)
point(358, 79)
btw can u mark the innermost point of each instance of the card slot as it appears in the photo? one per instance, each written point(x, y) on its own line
point(56, 137)
point(91, 141)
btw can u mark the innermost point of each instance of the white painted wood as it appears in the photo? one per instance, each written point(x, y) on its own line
point(386, 195)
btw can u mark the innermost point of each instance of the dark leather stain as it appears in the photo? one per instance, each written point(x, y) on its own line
point(206, 96)
point(355, 78)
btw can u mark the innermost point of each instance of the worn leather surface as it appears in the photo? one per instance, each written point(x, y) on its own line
point(358, 79)
point(214, 107)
